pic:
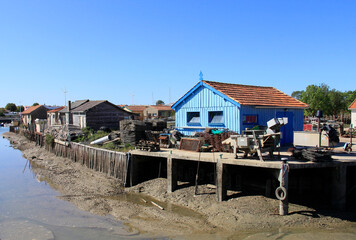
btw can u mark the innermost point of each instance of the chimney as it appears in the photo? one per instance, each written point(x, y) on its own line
point(69, 106)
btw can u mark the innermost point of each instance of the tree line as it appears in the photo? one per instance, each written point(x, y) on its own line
point(11, 107)
point(320, 97)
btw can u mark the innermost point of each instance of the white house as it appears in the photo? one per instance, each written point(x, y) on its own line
point(353, 113)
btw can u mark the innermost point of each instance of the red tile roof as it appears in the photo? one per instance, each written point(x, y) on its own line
point(56, 110)
point(256, 95)
point(353, 105)
point(31, 109)
point(137, 108)
point(162, 107)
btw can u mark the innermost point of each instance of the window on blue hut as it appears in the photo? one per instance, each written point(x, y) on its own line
point(193, 118)
point(216, 118)
point(249, 119)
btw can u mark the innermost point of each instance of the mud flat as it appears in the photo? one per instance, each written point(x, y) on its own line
point(183, 213)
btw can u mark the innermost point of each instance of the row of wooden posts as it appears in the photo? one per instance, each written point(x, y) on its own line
point(114, 164)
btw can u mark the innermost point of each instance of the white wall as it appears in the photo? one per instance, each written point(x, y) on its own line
point(353, 117)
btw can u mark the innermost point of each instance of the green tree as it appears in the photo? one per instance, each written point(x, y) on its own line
point(349, 96)
point(11, 107)
point(320, 97)
point(20, 108)
point(159, 102)
point(337, 102)
point(2, 112)
point(317, 98)
point(297, 94)
point(35, 104)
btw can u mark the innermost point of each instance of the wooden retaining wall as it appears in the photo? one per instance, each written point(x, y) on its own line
point(114, 164)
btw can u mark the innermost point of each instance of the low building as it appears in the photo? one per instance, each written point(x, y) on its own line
point(64, 114)
point(159, 111)
point(54, 117)
point(97, 114)
point(236, 107)
point(32, 113)
point(146, 112)
point(352, 107)
point(139, 110)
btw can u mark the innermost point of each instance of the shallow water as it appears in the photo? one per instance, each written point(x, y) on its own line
point(30, 209)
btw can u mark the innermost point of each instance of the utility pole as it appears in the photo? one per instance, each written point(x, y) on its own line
point(65, 96)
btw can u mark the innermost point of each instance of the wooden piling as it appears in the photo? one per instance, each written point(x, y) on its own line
point(172, 174)
point(221, 190)
point(283, 178)
point(339, 187)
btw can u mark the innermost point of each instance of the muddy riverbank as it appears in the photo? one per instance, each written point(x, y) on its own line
point(183, 214)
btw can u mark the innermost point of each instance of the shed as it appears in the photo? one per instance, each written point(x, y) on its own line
point(352, 107)
point(32, 113)
point(96, 114)
point(139, 110)
point(158, 111)
point(236, 107)
point(53, 116)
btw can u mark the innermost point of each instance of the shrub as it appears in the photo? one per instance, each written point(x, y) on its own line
point(110, 146)
point(97, 135)
point(49, 139)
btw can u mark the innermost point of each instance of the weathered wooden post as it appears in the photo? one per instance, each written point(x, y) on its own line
point(339, 187)
point(282, 190)
point(172, 180)
point(221, 191)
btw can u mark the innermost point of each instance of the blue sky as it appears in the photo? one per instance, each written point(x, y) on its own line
point(139, 51)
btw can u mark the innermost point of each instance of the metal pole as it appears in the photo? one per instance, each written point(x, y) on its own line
point(319, 130)
point(350, 129)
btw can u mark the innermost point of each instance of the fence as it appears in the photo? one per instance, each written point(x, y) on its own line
point(114, 164)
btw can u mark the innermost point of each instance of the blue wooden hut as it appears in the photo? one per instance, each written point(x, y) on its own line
point(236, 107)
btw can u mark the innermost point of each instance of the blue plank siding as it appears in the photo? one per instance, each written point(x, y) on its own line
point(265, 114)
point(204, 100)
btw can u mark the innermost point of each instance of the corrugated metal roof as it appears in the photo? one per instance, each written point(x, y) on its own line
point(75, 104)
point(353, 105)
point(78, 103)
point(256, 95)
point(87, 105)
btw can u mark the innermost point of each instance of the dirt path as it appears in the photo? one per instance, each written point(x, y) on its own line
point(183, 214)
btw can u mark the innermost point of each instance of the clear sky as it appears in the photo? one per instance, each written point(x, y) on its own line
point(139, 51)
